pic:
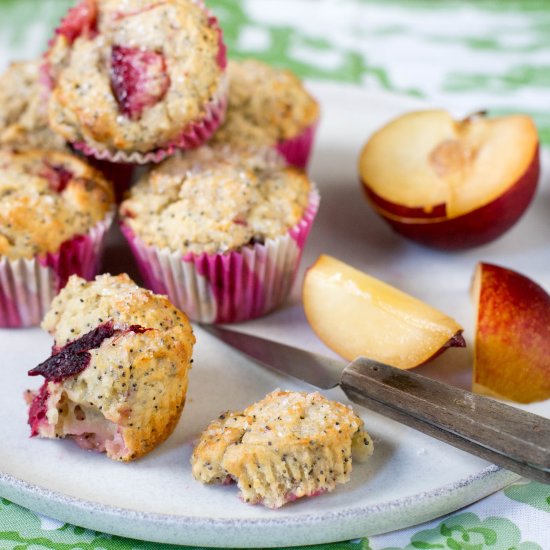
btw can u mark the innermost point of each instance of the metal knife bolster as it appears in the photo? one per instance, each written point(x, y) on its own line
point(503, 434)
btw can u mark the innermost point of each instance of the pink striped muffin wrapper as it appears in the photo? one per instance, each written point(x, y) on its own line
point(230, 287)
point(27, 286)
point(193, 136)
point(297, 150)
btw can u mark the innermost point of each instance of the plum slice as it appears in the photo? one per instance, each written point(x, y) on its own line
point(57, 175)
point(81, 20)
point(138, 79)
point(73, 357)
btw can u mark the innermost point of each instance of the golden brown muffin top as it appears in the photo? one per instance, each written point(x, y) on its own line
point(266, 105)
point(46, 198)
point(23, 110)
point(215, 199)
point(286, 419)
point(82, 306)
point(136, 76)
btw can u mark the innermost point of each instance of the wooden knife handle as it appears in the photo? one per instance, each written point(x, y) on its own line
point(514, 439)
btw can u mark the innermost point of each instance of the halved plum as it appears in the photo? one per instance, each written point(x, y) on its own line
point(451, 184)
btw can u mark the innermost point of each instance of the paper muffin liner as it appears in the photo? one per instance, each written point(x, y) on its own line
point(297, 150)
point(194, 135)
point(230, 287)
point(28, 286)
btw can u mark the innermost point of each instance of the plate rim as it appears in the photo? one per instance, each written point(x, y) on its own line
point(70, 507)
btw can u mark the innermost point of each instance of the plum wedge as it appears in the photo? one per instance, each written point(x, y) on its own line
point(512, 345)
point(355, 314)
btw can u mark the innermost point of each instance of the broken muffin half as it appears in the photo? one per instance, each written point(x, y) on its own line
point(286, 446)
point(116, 380)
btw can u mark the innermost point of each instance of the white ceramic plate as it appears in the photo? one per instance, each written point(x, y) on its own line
point(410, 479)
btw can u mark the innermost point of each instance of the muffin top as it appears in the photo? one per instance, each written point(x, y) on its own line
point(82, 306)
point(285, 419)
point(46, 198)
point(132, 75)
point(266, 105)
point(23, 111)
point(215, 199)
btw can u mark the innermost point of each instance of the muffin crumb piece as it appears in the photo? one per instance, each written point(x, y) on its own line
point(286, 446)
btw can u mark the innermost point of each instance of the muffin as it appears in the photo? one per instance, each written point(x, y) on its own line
point(133, 79)
point(286, 446)
point(269, 107)
point(23, 110)
point(117, 377)
point(54, 213)
point(220, 230)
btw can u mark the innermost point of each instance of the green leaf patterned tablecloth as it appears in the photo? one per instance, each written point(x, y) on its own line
point(463, 55)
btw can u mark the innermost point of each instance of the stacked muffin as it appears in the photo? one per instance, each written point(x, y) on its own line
point(133, 80)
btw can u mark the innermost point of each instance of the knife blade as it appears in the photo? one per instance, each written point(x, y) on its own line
point(516, 440)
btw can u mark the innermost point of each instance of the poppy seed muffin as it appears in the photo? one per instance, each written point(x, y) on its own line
point(268, 107)
point(46, 199)
point(117, 378)
point(216, 199)
point(130, 77)
point(220, 231)
point(55, 211)
point(23, 110)
point(286, 446)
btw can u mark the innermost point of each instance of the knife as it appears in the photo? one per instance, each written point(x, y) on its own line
point(516, 440)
